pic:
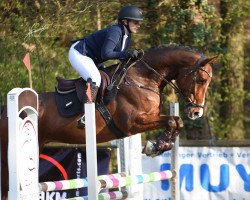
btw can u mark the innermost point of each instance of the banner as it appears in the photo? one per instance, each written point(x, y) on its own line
point(207, 173)
point(70, 163)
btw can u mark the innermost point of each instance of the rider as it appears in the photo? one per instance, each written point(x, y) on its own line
point(86, 54)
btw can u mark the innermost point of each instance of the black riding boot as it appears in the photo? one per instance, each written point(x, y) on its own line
point(81, 121)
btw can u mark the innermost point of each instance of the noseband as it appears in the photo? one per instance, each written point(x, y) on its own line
point(187, 100)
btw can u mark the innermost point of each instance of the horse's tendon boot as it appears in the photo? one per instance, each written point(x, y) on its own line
point(163, 142)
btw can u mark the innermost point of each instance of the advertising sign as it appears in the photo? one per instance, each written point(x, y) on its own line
point(64, 164)
point(207, 173)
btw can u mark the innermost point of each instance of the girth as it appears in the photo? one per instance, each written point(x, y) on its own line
point(109, 120)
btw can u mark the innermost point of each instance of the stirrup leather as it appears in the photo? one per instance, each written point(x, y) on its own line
point(81, 122)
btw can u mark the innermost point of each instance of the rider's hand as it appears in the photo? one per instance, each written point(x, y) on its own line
point(133, 54)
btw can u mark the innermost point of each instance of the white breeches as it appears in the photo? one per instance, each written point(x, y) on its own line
point(84, 65)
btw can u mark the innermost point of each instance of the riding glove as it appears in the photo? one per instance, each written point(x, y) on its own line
point(132, 54)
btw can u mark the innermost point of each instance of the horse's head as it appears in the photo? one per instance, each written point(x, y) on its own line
point(193, 82)
point(191, 70)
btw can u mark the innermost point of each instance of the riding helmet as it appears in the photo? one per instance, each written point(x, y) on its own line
point(130, 12)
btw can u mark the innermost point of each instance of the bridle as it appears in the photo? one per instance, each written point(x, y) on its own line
point(194, 71)
point(187, 100)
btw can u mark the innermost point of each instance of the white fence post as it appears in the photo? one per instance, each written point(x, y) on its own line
point(175, 192)
point(23, 151)
point(131, 163)
point(91, 152)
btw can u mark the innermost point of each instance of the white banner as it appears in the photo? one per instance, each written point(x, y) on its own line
point(207, 173)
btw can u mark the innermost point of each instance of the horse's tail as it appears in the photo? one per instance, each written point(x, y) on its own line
point(3, 111)
point(0, 107)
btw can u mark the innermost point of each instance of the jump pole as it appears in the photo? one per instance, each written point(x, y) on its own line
point(108, 181)
point(175, 191)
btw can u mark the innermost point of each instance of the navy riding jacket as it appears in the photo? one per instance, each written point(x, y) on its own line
point(105, 44)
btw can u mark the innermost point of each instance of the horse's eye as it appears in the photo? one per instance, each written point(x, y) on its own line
point(201, 81)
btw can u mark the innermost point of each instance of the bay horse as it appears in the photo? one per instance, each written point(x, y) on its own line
point(136, 106)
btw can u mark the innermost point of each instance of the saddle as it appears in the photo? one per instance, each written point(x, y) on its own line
point(65, 86)
point(70, 94)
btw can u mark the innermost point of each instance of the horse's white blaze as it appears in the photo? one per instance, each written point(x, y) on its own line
point(201, 110)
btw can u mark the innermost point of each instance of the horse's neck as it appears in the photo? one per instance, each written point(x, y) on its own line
point(173, 61)
point(162, 68)
point(168, 64)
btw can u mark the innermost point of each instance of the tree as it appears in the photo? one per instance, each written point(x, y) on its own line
point(51, 25)
point(232, 72)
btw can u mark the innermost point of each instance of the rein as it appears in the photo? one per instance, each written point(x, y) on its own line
point(177, 90)
point(120, 72)
point(134, 83)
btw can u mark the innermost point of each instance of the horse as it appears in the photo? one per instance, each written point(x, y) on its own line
point(136, 106)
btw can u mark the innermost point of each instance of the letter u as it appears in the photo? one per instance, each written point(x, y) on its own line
point(205, 178)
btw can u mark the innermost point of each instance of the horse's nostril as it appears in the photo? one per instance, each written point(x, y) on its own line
point(196, 113)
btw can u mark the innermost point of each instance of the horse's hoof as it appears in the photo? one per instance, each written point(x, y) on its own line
point(150, 150)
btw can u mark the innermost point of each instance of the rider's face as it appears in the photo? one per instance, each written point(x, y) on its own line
point(133, 25)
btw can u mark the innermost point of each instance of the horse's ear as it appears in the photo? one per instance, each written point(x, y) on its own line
point(209, 60)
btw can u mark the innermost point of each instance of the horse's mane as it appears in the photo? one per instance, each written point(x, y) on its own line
point(175, 47)
point(162, 48)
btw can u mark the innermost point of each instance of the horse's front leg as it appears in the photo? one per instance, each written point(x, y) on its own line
point(148, 122)
point(166, 139)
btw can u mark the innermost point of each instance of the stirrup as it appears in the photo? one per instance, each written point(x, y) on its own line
point(81, 122)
